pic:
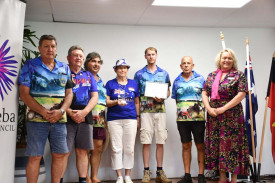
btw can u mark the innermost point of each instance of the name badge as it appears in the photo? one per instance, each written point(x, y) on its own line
point(131, 89)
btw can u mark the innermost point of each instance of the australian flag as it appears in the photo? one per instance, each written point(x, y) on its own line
point(254, 108)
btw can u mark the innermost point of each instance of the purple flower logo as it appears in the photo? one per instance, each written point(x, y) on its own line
point(6, 69)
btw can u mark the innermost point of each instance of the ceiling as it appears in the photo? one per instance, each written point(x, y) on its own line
point(257, 13)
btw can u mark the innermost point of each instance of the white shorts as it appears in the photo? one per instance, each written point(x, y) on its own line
point(153, 123)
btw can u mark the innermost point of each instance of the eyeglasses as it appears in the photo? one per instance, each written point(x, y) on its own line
point(77, 55)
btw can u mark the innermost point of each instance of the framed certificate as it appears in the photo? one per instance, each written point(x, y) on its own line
point(154, 89)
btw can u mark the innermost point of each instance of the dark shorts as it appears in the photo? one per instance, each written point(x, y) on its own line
point(197, 128)
point(80, 135)
point(99, 133)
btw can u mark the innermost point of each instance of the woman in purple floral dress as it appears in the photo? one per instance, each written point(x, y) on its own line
point(226, 139)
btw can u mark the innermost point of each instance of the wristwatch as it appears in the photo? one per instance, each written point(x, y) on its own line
point(138, 115)
point(62, 111)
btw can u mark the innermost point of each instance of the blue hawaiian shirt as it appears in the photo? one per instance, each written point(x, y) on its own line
point(188, 97)
point(99, 109)
point(46, 87)
point(147, 104)
point(145, 74)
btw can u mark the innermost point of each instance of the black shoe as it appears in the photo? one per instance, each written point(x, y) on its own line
point(186, 179)
point(201, 178)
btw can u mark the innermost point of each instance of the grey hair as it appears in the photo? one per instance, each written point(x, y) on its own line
point(47, 37)
point(75, 47)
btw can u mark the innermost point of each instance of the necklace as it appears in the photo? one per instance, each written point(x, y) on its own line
point(123, 83)
point(122, 87)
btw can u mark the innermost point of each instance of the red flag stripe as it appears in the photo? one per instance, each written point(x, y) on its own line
point(271, 104)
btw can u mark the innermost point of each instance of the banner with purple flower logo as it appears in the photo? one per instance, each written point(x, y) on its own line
point(12, 15)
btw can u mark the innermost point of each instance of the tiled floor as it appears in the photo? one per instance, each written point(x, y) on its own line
point(195, 180)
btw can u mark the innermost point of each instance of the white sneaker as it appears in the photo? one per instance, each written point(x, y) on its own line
point(119, 179)
point(128, 179)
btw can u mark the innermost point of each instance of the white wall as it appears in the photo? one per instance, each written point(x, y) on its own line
point(114, 42)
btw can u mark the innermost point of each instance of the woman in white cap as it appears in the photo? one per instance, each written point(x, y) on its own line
point(123, 109)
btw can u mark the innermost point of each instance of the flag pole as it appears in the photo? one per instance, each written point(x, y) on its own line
point(251, 168)
point(264, 122)
point(262, 138)
point(250, 109)
point(222, 40)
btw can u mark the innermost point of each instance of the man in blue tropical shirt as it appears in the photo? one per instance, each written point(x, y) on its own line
point(80, 118)
point(187, 89)
point(46, 88)
point(153, 116)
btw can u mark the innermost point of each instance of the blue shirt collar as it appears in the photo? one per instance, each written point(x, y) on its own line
point(147, 70)
point(99, 79)
point(195, 75)
point(57, 65)
point(79, 73)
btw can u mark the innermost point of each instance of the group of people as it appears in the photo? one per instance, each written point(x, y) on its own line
point(67, 105)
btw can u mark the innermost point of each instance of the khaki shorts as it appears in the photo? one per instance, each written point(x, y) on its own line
point(153, 123)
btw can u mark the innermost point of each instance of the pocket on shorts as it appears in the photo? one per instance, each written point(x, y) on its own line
point(163, 134)
point(145, 136)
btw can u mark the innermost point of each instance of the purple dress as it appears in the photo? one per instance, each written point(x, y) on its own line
point(226, 139)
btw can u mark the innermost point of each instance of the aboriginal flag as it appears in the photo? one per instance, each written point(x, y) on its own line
point(271, 104)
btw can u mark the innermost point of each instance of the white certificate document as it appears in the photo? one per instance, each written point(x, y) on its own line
point(154, 89)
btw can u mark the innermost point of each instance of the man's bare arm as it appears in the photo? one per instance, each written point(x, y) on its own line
point(79, 115)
